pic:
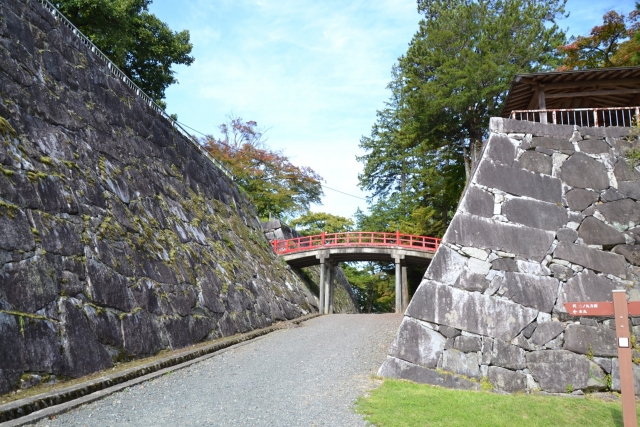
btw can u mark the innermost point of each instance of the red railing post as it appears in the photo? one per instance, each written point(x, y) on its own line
point(398, 237)
point(274, 243)
point(322, 238)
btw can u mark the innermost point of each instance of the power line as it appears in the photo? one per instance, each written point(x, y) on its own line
point(323, 186)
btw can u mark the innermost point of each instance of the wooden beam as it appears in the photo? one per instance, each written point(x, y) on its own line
point(592, 93)
point(585, 83)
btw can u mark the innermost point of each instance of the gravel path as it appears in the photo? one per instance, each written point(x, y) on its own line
point(304, 376)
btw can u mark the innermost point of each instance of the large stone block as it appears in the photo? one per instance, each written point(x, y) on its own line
point(108, 287)
point(630, 252)
point(469, 311)
point(500, 149)
point(446, 265)
point(15, 230)
point(582, 171)
point(417, 343)
point(477, 202)
point(579, 199)
point(472, 282)
point(624, 172)
point(555, 370)
point(597, 341)
point(467, 364)
point(552, 143)
point(507, 356)
point(621, 212)
point(595, 232)
point(538, 292)
point(588, 286)
point(467, 344)
point(545, 332)
point(471, 230)
point(83, 354)
point(594, 259)
point(532, 213)
point(506, 380)
point(31, 284)
point(519, 182)
point(615, 376)
point(536, 162)
point(396, 368)
point(629, 189)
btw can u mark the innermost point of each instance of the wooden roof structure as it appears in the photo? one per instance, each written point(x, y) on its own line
point(595, 88)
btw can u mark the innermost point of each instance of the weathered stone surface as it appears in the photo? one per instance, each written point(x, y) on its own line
point(561, 272)
point(567, 235)
point(478, 202)
point(467, 364)
point(504, 264)
point(109, 288)
point(554, 370)
point(629, 189)
point(592, 258)
point(83, 354)
point(448, 331)
point(16, 230)
point(507, 356)
point(593, 146)
point(31, 284)
point(599, 341)
point(417, 343)
point(615, 376)
point(396, 368)
point(446, 265)
point(630, 252)
point(506, 380)
point(139, 334)
point(536, 162)
point(469, 311)
point(582, 171)
point(519, 182)
point(595, 232)
point(529, 330)
point(623, 172)
point(580, 199)
point(551, 143)
point(467, 344)
point(475, 253)
point(611, 195)
point(538, 292)
point(621, 212)
point(500, 149)
point(476, 266)
point(471, 230)
point(545, 332)
point(472, 282)
point(547, 216)
point(588, 286)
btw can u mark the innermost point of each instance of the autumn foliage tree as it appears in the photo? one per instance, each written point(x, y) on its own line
point(316, 222)
point(615, 43)
point(276, 186)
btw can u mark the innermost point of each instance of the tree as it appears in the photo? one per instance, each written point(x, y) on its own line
point(373, 287)
point(453, 78)
point(615, 43)
point(141, 45)
point(316, 222)
point(275, 185)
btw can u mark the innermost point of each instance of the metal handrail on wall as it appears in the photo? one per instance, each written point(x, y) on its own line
point(355, 238)
point(113, 68)
point(584, 117)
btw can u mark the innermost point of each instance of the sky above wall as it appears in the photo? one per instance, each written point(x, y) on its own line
point(313, 73)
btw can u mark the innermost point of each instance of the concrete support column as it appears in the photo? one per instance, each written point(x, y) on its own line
point(327, 290)
point(405, 290)
point(321, 286)
point(398, 286)
point(332, 276)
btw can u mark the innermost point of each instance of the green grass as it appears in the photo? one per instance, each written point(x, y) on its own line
point(403, 403)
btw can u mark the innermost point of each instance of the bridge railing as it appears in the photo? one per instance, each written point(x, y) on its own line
point(355, 238)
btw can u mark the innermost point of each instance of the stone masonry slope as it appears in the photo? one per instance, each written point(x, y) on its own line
point(118, 237)
point(551, 215)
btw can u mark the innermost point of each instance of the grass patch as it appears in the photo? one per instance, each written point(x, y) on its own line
point(403, 403)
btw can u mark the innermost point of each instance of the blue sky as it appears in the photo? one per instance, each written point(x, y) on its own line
point(311, 72)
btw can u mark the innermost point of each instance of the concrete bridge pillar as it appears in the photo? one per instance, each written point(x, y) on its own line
point(321, 286)
point(405, 289)
point(332, 276)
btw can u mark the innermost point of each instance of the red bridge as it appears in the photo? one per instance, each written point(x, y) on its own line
point(329, 249)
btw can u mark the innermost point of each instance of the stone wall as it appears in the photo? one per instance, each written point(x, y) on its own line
point(344, 299)
point(550, 215)
point(118, 237)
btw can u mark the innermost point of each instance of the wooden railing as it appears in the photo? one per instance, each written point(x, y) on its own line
point(583, 117)
point(355, 239)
